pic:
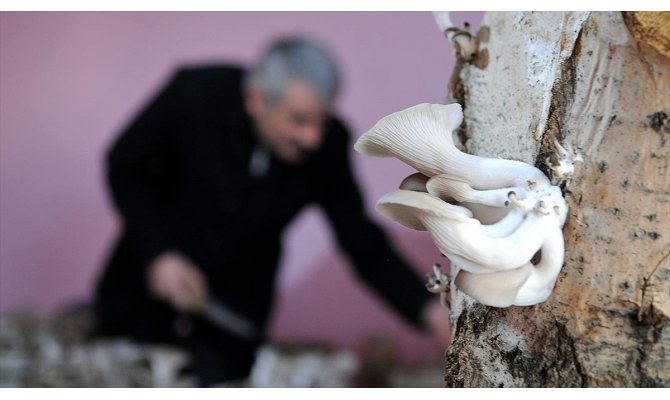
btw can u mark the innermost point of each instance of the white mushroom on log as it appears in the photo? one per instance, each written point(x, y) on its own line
point(488, 216)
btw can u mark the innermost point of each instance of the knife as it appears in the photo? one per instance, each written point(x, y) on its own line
point(228, 320)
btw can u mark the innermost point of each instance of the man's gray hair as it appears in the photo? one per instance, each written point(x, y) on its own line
point(294, 59)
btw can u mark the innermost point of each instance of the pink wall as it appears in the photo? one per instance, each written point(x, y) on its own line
point(69, 81)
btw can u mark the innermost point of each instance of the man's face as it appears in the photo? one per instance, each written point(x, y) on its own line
point(293, 126)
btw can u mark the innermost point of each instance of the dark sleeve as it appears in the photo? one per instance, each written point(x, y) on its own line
point(376, 262)
point(140, 172)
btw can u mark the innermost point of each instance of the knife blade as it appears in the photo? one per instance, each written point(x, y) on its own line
point(227, 319)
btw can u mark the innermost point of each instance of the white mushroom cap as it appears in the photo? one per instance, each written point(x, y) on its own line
point(412, 209)
point(496, 289)
point(422, 137)
point(454, 231)
point(468, 240)
point(541, 282)
point(524, 286)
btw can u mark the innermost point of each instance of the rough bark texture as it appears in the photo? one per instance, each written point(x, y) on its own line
point(586, 80)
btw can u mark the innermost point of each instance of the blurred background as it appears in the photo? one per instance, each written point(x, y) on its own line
point(70, 81)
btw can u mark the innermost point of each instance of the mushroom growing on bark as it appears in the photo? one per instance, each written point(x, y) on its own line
point(465, 44)
point(488, 216)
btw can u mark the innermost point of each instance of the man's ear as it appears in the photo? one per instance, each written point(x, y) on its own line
point(254, 101)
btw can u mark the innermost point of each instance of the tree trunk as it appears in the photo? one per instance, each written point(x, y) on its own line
point(600, 82)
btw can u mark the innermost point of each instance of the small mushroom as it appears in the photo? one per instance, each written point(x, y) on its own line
point(439, 282)
point(565, 162)
point(465, 45)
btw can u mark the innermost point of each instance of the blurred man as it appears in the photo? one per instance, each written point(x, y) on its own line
point(206, 178)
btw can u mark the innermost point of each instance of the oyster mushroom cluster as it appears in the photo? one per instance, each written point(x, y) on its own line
point(498, 221)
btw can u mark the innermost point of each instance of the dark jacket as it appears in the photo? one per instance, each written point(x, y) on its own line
point(179, 176)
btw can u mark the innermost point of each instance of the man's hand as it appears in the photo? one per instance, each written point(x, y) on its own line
point(436, 318)
point(175, 279)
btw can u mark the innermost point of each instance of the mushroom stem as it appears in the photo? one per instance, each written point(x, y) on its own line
point(525, 204)
point(487, 215)
point(505, 226)
point(539, 285)
point(447, 186)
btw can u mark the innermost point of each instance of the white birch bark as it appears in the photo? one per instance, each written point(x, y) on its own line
point(584, 79)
